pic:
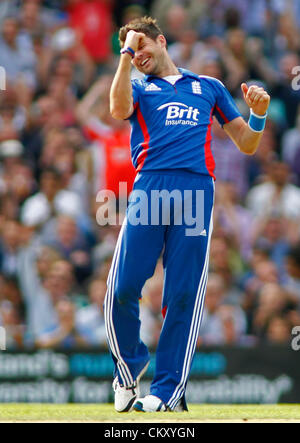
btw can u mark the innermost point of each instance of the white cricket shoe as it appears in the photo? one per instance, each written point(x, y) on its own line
point(150, 403)
point(125, 396)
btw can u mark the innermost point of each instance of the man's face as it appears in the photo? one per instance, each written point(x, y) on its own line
point(67, 231)
point(149, 56)
point(59, 279)
point(280, 173)
point(49, 184)
point(10, 30)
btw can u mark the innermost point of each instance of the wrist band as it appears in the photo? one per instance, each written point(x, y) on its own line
point(256, 122)
point(128, 50)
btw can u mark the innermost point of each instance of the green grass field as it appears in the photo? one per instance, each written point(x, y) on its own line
point(105, 413)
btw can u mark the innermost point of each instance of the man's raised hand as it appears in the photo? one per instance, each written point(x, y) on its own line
point(133, 39)
point(256, 98)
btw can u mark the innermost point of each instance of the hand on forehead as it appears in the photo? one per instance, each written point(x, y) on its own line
point(135, 39)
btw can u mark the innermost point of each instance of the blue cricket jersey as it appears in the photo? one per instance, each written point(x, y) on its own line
point(171, 124)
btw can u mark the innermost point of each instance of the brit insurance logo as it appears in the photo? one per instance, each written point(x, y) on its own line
point(180, 114)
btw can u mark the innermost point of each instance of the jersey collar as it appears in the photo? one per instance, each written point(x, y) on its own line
point(182, 71)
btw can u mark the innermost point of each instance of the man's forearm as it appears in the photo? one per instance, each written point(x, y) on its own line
point(248, 136)
point(244, 138)
point(121, 102)
point(248, 140)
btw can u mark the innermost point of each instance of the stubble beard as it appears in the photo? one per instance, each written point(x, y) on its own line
point(156, 69)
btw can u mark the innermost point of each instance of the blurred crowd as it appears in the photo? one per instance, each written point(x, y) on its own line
point(59, 147)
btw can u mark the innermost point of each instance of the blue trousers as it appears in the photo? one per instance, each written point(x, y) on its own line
point(185, 261)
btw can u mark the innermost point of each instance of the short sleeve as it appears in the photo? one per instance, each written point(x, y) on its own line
point(135, 92)
point(225, 108)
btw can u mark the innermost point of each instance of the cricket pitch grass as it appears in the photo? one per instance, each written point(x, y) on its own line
point(104, 413)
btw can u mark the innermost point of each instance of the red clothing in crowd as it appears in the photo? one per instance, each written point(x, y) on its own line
point(93, 21)
point(113, 159)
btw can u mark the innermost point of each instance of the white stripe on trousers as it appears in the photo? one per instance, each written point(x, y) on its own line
point(195, 326)
point(109, 326)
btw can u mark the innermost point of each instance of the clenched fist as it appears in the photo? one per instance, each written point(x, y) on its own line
point(256, 98)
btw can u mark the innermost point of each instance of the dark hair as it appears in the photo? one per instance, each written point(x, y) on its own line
point(147, 25)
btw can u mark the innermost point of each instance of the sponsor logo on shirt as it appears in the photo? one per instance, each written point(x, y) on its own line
point(180, 114)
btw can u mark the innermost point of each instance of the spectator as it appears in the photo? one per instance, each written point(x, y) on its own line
point(224, 257)
point(188, 49)
point(264, 271)
point(279, 331)
point(16, 54)
point(34, 263)
point(13, 113)
point(64, 97)
point(284, 88)
point(232, 218)
point(288, 33)
point(51, 200)
point(41, 313)
point(276, 196)
point(292, 283)
point(11, 241)
point(273, 236)
point(104, 250)
point(10, 320)
point(90, 319)
point(9, 208)
point(72, 178)
point(73, 247)
point(92, 20)
point(45, 121)
point(30, 19)
point(63, 334)
point(10, 292)
point(71, 61)
point(36, 18)
point(77, 141)
point(290, 143)
point(15, 176)
point(54, 143)
point(110, 139)
point(209, 64)
point(222, 323)
point(272, 302)
point(259, 163)
point(174, 16)
point(291, 149)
